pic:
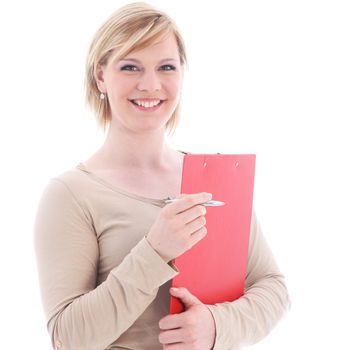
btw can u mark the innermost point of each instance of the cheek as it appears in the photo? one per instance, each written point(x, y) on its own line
point(173, 86)
point(121, 85)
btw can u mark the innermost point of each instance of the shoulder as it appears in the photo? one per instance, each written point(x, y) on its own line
point(69, 184)
point(64, 195)
point(73, 178)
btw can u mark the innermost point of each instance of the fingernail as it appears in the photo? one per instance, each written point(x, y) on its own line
point(174, 289)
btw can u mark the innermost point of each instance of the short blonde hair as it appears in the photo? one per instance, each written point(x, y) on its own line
point(133, 26)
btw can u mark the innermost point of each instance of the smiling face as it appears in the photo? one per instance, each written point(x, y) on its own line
point(144, 87)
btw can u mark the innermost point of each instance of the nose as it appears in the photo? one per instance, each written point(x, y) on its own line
point(149, 81)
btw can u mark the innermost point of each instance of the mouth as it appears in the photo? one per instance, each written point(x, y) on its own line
point(147, 105)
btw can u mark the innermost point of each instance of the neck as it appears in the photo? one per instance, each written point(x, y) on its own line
point(128, 149)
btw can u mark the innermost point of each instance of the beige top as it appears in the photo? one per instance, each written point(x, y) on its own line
point(104, 287)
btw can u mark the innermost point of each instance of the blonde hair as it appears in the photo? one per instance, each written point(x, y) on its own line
point(133, 26)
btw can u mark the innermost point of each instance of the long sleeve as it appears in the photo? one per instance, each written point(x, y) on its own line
point(80, 314)
point(251, 317)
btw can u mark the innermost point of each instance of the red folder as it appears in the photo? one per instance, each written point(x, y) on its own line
point(214, 269)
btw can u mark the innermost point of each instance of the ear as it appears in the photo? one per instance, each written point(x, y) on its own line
point(99, 77)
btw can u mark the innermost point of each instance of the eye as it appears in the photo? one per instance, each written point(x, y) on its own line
point(168, 67)
point(129, 68)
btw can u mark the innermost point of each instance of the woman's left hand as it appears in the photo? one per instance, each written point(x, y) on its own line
point(190, 330)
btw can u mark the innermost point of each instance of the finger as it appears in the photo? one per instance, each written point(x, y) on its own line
point(195, 225)
point(186, 296)
point(198, 235)
point(183, 203)
point(171, 336)
point(176, 346)
point(171, 322)
point(193, 213)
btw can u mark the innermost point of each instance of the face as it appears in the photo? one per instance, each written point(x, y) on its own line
point(144, 87)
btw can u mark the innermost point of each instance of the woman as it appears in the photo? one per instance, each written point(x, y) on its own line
point(104, 237)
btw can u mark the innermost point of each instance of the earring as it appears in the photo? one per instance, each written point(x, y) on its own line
point(102, 96)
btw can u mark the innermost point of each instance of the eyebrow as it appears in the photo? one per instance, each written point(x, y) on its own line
point(138, 61)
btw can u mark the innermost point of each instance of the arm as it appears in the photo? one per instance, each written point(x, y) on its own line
point(251, 317)
point(79, 314)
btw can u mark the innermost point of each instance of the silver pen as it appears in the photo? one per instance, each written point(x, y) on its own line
point(210, 203)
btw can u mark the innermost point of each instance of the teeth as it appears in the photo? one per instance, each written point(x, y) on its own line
point(147, 104)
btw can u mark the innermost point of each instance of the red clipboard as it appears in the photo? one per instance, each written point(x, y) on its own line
point(214, 269)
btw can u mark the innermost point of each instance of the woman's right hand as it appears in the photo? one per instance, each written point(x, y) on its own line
point(179, 225)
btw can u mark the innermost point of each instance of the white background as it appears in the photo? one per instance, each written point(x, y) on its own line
point(265, 77)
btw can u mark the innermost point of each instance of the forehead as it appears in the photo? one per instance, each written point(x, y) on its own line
point(160, 49)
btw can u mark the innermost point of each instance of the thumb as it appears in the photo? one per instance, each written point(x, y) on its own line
point(186, 297)
point(181, 195)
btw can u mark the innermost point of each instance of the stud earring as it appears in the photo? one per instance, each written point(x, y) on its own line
point(102, 96)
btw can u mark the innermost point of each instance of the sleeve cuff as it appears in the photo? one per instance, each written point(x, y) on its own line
point(145, 268)
point(222, 338)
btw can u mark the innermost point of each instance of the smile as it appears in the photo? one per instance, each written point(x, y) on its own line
point(147, 105)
